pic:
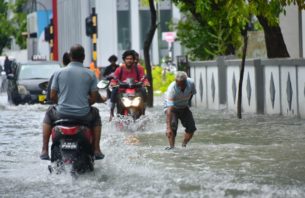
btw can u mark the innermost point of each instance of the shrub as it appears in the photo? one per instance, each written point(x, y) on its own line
point(161, 81)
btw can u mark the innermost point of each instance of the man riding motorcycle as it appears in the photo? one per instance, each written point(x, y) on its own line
point(109, 71)
point(130, 69)
point(74, 90)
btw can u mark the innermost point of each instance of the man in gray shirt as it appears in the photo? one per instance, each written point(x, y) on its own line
point(74, 90)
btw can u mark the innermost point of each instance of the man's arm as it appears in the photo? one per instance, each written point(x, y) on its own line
point(142, 76)
point(116, 74)
point(106, 72)
point(92, 97)
point(54, 96)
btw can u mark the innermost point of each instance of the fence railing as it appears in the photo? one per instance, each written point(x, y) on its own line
point(270, 86)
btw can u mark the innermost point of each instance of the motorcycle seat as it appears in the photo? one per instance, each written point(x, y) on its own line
point(70, 122)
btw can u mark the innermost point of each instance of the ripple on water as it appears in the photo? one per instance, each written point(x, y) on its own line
point(258, 156)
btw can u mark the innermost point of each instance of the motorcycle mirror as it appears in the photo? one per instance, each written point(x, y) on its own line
point(44, 85)
point(103, 84)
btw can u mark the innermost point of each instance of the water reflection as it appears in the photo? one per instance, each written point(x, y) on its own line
point(258, 156)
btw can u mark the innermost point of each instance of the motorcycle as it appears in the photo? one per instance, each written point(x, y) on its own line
point(130, 100)
point(72, 144)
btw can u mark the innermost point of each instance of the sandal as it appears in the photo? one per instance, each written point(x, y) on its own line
point(99, 156)
point(44, 156)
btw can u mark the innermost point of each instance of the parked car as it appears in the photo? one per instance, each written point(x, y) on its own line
point(23, 84)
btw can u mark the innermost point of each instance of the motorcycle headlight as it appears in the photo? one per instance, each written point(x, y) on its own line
point(136, 102)
point(126, 102)
point(22, 90)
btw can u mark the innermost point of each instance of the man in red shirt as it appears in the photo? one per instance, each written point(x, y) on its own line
point(131, 69)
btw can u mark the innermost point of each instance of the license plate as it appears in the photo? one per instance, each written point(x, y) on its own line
point(69, 145)
point(41, 98)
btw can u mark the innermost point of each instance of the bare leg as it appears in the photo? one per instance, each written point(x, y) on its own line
point(187, 138)
point(96, 140)
point(46, 129)
point(171, 139)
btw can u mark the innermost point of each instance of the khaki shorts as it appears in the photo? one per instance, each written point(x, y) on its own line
point(92, 119)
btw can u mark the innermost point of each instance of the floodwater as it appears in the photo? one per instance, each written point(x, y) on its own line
point(258, 156)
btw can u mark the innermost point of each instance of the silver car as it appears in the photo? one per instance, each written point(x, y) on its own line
point(23, 84)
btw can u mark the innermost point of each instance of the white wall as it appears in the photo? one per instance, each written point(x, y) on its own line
point(289, 84)
point(289, 24)
point(72, 27)
point(303, 32)
point(272, 90)
point(107, 42)
point(135, 25)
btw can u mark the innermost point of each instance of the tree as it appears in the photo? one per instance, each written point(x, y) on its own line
point(211, 28)
point(12, 27)
point(268, 13)
point(236, 13)
point(147, 44)
point(19, 22)
point(6, 27)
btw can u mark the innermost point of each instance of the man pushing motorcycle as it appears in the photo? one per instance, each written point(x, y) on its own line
point(73, 90)
point(130, 69)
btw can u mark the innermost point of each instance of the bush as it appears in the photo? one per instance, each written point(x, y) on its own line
point(161, 81)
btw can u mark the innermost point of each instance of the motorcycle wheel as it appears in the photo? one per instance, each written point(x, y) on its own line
point(55, 153)
point(83, 163)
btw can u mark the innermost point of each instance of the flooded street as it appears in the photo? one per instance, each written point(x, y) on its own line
point(258, 156)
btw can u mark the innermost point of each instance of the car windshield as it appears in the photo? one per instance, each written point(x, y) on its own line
point(37, 71)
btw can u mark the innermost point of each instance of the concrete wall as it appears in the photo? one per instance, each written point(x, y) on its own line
point(303, 33)
point(71, 26)
point(274, 86)
point(107, 43)
point(290, 25)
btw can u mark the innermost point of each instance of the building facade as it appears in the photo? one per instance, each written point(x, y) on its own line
point(121, 25)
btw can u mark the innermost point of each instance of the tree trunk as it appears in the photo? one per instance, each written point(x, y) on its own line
point(275, 44)
point(147, 44)
point(241, 76)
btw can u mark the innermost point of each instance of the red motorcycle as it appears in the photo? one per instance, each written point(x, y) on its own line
point(130, 100)
point(72, 145)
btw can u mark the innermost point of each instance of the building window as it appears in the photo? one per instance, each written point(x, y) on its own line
point(123, 14)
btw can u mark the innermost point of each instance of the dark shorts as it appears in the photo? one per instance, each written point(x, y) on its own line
point(186, 118)
point(93, 118)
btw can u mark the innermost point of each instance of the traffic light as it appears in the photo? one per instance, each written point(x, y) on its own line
point(47, 35)
point(91, 31)
point(48, 32)
point(89, 26)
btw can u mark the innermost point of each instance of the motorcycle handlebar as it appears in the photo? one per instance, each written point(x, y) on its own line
point(129, 85)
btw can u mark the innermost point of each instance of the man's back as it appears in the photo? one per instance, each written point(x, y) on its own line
point(73, 85)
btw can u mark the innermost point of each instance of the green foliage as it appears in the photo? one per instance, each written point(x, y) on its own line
point(19, 22)
point(161, 81)
point(6, 28)
point(12, 27)
point(213, 27)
